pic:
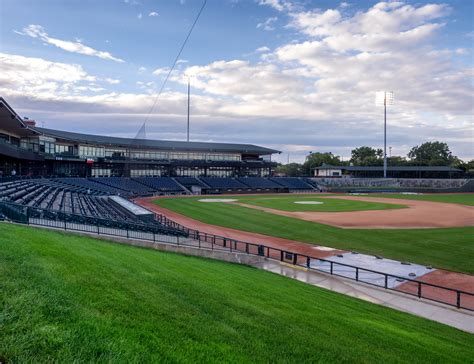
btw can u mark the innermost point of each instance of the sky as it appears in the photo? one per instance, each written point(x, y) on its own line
point(296, 76)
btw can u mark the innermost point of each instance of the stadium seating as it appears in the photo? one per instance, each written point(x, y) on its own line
point(89, 185)
point(190, 181)
point(292, 183)
point(429, 183)
point(225, 183)
point(160, 184)
point(125, 184)
point(259, 183)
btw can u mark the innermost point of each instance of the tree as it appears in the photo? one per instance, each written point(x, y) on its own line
point(290, 169)
point(367, 156)
point(433, 153)
point(396, 160)
point(318, 159)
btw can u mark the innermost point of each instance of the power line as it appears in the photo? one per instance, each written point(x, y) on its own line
point(176, 60)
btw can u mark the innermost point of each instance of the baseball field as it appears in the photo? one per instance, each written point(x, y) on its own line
point(426, 229)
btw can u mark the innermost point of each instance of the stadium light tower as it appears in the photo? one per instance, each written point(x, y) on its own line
point(384, 98)
point(189, 101)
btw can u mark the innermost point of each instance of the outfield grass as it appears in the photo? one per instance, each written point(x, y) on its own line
point(75, 299)
point(451, 248)
point(287, 203)
point(459, 198)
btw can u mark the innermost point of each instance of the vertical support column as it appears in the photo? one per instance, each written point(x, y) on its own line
point(385, 135)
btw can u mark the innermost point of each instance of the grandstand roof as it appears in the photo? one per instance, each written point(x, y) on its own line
point(11, 121)
point(156, 144)
point(393, 168)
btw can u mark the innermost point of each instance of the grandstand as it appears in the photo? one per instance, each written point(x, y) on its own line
point(28, 150)
point(261, 183)
point(293, 184)
point(162, 185)
point(224, 184)
point(393, 184)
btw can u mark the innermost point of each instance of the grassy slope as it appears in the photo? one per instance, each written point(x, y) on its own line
point(287, 203)
point(459, 198)
point(451, 249)
point(67, 298)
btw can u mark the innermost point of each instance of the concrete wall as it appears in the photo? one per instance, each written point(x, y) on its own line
point(227, 256)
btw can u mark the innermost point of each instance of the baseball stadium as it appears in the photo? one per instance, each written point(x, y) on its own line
point(273, 229)
point(394, 253)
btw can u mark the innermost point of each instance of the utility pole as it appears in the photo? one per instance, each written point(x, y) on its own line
point(384, 98)
point(385, 136)
point(189, 97)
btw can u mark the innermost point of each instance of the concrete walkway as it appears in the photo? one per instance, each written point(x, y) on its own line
point(460, 319)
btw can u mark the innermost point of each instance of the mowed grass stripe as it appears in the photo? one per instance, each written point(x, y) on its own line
point(459, 198)
point(288, 203)
point(451, 249)
point(75, 299)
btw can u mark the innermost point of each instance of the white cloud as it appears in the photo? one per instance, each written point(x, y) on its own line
point(112, 81)
point(263, 49)
point(161, 71)
point(40, 78)
point(316, 94)
point(153, 13)
point(279, 5)
point(139, 16)
point(37, 31)
point(268, 24)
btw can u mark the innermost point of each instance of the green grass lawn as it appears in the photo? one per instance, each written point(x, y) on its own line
point(287, 203)
point(451, 248)
point(75, 299)
point(459, 198)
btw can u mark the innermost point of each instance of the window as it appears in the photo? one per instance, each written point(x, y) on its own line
point(46, 147)
point(145, 173)
point(90, 151)
point(115, 153)
point(64, 149)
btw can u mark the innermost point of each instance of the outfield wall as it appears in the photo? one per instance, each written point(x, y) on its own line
point(427, 185)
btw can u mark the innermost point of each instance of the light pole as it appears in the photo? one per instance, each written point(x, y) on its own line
point(384, 98)
point(309, 162)
point(189, 102)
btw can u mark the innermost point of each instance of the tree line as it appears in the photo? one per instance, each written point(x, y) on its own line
point(427, 154)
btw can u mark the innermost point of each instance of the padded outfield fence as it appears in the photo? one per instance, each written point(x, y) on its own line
point(168, 231)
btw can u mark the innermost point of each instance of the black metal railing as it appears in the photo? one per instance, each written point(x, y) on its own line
point(433, 292)
point(169, 231)
point(25, 214)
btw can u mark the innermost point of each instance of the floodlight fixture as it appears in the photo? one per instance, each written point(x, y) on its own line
point(384, 98)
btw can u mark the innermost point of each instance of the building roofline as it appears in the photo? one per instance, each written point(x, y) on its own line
point(155, 144)
point(168, 145)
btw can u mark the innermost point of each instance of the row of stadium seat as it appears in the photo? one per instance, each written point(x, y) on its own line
point(178, 185)
point(143, 186)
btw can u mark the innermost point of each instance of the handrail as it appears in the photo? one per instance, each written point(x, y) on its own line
point(167, 221)
point(176, 230)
